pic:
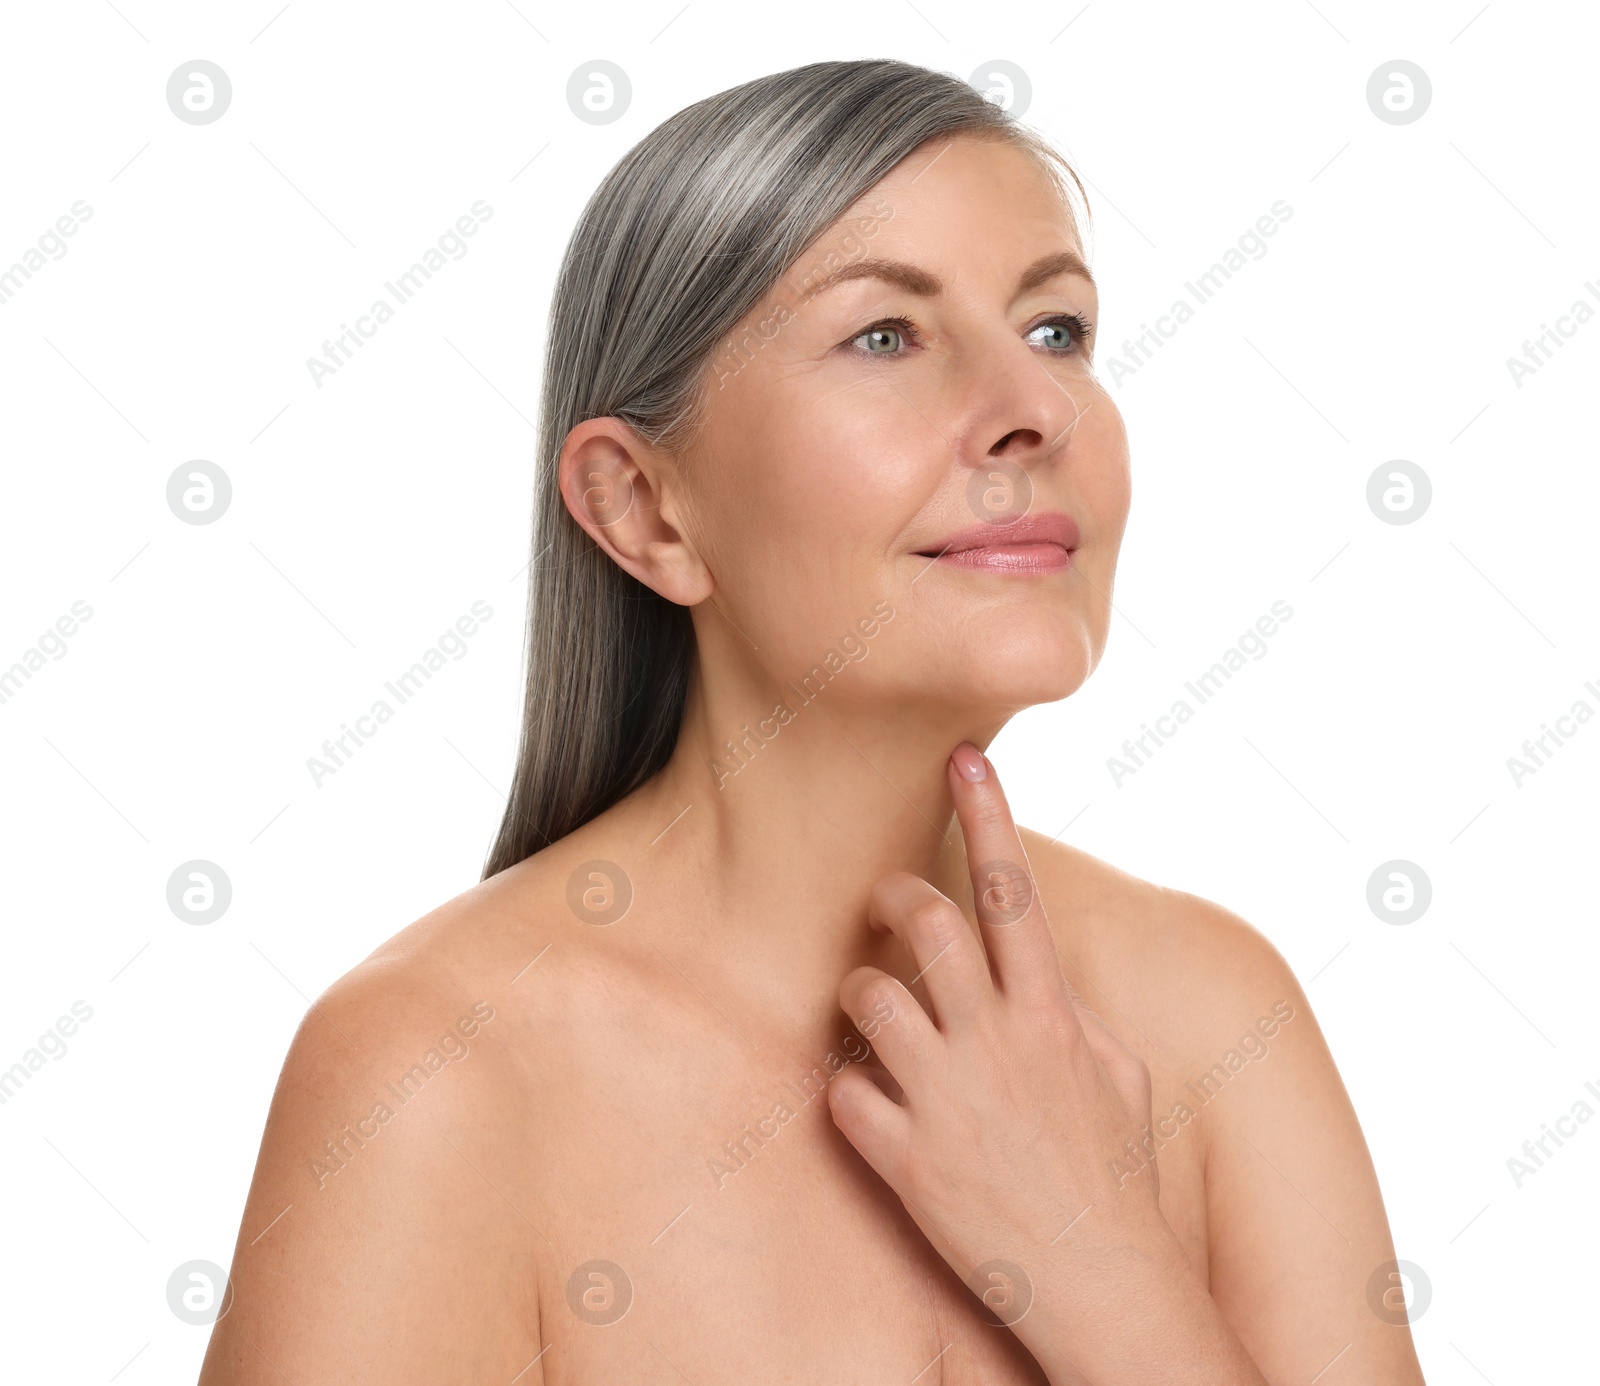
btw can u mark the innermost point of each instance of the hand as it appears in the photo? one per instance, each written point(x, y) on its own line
point(1016, 1103)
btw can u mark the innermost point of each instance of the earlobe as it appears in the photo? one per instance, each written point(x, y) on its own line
point(613, 483)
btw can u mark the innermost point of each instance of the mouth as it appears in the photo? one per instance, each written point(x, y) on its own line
point(1039, 543)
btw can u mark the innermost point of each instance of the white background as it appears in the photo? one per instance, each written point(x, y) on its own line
point(369, 514)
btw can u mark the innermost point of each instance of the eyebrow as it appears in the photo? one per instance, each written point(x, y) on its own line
point(918, 281)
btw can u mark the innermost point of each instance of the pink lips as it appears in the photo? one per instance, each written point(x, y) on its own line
point(1037, 543)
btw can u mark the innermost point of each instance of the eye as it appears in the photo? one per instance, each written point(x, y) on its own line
point(1070, 333)
point(883, 338)
point(1067, 334)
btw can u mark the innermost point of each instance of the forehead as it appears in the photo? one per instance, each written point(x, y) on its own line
point(954, 202)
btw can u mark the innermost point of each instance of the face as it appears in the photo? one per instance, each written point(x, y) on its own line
point(920, 383)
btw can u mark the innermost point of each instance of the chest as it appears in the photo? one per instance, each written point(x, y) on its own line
point(714, 1224)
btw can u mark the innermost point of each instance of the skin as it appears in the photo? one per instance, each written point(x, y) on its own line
point(638, 1095)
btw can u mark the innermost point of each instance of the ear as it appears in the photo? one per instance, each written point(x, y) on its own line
point(614, 485)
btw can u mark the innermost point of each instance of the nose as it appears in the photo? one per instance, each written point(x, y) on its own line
point(1020, 415)
point(1024, 413)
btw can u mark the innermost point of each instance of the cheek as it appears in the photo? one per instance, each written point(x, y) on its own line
point(1114, 485)
point(1103, 481)
point(810, 504)
point(829, 485)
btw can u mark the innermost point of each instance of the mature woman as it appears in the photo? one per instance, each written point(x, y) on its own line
point(769, 1048)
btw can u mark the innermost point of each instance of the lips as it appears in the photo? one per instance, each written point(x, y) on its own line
point(1035, 543)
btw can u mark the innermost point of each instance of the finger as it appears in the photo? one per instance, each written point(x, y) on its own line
point(1022, 950)
point(948, 956)
point(1128, 1071)
point(891, 1021)
point(878, 1127)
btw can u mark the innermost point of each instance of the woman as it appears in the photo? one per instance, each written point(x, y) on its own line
point(830, 491)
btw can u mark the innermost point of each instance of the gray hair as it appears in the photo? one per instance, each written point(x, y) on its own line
point(682, 239)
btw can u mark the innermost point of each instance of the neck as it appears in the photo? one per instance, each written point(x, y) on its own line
point(780, 824)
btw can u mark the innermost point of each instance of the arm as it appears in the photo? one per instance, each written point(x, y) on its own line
point(1298, 1231)
point(371, 1248)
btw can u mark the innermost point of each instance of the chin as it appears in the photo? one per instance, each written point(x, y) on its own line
point(1027, 664)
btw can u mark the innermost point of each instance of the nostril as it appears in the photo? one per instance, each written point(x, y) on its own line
point(1027, 433)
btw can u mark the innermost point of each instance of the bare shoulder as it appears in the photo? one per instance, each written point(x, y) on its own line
point(390, 1231)
point(1193, 967)
point(1298, 1240)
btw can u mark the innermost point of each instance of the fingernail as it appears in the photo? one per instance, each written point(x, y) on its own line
point(970, 764)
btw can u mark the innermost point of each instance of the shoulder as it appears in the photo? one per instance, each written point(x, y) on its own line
point(478, 1015)
point(492, 983)
point(429, 989)
point(1293, 1210)
point(388, 1190)
point(1190, 985)
point(1173, 940)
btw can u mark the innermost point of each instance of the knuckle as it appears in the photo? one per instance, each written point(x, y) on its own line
point(879, 1004)
point(893, 886)
point(1007, 895)
point(1060, 1025)
point(1049, 996)
point(1050, 1012)
point(934, 919)
point(989, 813)
point(884, 997)
point(1067, 1030)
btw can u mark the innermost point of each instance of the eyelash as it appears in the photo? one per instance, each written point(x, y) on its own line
point(1081, 326)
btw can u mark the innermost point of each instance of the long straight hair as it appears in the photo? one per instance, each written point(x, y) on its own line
point(681, 240)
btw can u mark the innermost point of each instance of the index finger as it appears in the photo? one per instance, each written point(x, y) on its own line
point(1016, 931)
